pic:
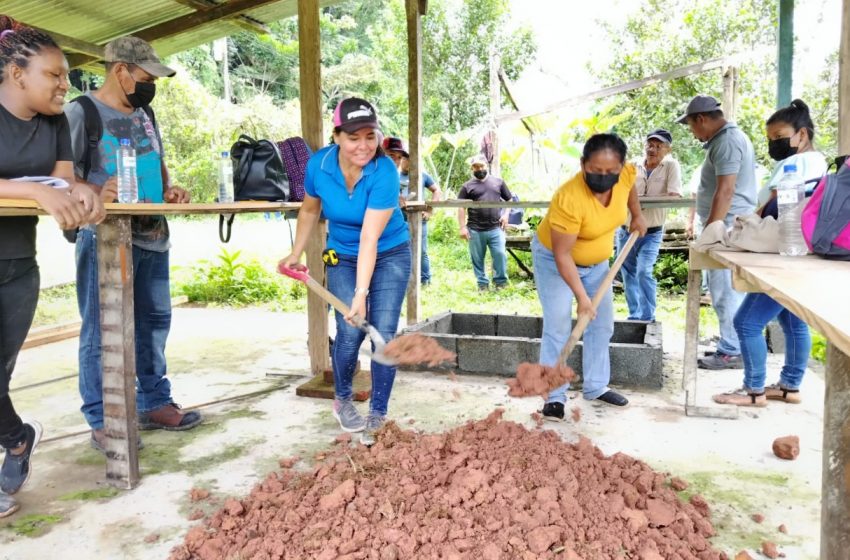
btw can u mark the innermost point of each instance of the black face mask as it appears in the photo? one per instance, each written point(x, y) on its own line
point(781, 148)
point(601, 183)
point(144, 94)
point(480, 174)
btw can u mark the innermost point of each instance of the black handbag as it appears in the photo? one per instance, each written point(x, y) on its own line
point(258, 174)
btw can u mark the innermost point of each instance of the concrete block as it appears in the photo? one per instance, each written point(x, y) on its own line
point(489, 354)
point(477, 324)
point(775, 338)
point(524, 326)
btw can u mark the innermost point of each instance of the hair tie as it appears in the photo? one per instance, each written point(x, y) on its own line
point(6, 32)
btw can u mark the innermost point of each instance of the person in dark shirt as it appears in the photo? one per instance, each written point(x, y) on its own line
point(485, 227)
point(34, 144)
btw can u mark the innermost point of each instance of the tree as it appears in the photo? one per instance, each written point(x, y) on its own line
point(663, 35)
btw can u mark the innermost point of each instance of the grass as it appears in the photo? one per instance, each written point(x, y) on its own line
point(86, 495)
point(56, 305)
point(33, 525)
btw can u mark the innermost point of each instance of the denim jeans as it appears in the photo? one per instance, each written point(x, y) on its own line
point(639, 273)
point(383, 308)
point(556, 298)
point(725, 300)
point(479, 241)
point(425, 273)
point(756, 311)
point(152, 310)
point(19, 282)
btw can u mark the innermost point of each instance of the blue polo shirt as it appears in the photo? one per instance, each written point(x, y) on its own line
point(377, 189)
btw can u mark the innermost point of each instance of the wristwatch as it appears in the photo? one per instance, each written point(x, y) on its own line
point(364, 290)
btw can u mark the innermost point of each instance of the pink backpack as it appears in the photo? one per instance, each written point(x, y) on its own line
point(826, 216)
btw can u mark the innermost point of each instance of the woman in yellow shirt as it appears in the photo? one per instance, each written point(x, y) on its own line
point(570, 253)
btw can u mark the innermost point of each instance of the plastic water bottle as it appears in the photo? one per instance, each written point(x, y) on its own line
point(128, 186)
point(225, 178)
point(790, 192)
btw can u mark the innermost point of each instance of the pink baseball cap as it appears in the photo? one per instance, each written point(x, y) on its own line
point(353, 113)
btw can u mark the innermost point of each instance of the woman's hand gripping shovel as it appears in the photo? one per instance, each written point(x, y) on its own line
point(303, 275)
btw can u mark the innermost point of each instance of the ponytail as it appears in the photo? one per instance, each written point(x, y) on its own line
point(797, 115)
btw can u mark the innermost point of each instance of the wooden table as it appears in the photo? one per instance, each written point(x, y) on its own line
point(816, 290)
point(115, 278)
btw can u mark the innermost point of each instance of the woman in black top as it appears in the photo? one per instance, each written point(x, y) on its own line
point(34, 141)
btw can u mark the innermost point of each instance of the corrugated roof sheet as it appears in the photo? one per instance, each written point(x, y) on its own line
point(100, 21)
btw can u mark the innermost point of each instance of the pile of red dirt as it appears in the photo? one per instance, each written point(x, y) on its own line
point(412, 349)
point(536, 380)
point(487, 490)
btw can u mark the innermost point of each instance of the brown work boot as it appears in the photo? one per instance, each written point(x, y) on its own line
point(777, 392)
point(741, 397)
point(169, 417)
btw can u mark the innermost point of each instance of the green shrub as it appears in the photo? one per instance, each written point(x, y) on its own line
point(236, 283)
point(818, 347)
point(671, 271)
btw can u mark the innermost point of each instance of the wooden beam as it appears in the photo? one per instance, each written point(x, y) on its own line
point(248, 23)
point(622, 88)
point(844, 82)
point(115, 280)
point(495, 107)
point(785, 53)
point(423, 7)
point(414, 133)
point(835, 483)
point(78, 60)
point(506, 86)
point(196, 19)
point(310, 72)
point(67, 42)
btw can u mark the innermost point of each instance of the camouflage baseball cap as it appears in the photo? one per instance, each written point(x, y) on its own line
point(133, 50)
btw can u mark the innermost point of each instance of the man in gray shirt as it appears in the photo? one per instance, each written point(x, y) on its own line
point(727, 188)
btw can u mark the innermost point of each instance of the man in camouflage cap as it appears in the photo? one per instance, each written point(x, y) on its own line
point(122, 105)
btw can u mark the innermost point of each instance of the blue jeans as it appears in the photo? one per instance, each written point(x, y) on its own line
point(756, 311)
point(152, 310)
point(556, 298)
point(638, 273)
point(425, 273)
point(725, 300)
point(383, 308)
point(479, 241)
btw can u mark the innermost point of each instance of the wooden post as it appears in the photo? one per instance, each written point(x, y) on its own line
point(495, 107)
point(689, 377)
point(730, 87)
point(115, 280)
point(835, 486)
point(785, 54)
point(414, 96)
point(309, 54)
point(844, 82)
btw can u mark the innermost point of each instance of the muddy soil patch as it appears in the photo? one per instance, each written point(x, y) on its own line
point(489, 489)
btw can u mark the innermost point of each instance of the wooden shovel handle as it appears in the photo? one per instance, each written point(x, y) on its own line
point(601, 291)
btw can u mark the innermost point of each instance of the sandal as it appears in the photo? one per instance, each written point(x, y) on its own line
point(741, 397)
point(777, 392)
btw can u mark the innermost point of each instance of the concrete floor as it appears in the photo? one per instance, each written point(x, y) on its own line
point(67, 510)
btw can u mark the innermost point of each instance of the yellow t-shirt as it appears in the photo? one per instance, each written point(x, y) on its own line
point(575, 210)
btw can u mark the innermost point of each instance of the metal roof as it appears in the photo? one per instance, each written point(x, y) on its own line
point(82, 27)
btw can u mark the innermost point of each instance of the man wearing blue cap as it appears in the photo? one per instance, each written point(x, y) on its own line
point(658, 174)
point(727, 188)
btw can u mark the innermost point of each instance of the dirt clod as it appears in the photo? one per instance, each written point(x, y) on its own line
point(678, 484)
point(489, 489)
point(769, 549)
point(536, 380)
point(288, 462)
point(538, 419)
point(757, 517)
point(195, 515)
point(410, 349)
point(783, 529)
point(787, 447)
point(344, 438)
point(152, 538)
point(575, 414)
point(198, 494)
point(743, 555)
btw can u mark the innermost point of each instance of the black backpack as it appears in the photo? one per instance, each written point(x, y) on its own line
point(258, 174)
point(94, 132)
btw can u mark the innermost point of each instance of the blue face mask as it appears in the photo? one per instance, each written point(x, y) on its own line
point(601, 183)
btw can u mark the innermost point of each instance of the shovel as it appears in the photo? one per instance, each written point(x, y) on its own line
point(378, 340)
point(584, 319)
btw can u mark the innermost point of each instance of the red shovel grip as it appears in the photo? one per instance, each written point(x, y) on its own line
point(301, 275)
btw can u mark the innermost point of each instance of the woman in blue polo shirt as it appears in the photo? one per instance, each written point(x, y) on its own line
point(356, 187)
